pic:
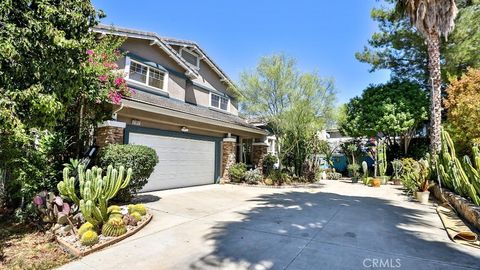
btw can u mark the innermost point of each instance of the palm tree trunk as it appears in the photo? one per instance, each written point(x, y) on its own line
point(434, 67)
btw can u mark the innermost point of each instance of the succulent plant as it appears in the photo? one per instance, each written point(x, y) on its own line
point(139, 208)
point(113, 208)
point(89, 238)
point(52, 208)
point(95, 190)
point(130, 219)
point(114, 227)
point(87, 226)
point(137, 216)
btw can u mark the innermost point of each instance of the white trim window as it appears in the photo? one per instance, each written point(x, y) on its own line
point(139, 73)
point(219, 102)
point(191, 57)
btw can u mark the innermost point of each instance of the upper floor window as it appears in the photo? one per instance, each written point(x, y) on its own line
point(190, 57)
point(146, 75)
point(219, 102)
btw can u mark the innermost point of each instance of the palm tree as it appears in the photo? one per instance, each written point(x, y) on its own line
point(433, 19)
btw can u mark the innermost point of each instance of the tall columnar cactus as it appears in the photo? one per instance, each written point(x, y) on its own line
point(461, 177)
point(397, 168)
point(382, 159)
point(94, 190)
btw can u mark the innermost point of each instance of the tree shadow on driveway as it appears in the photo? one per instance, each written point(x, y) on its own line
point(302, 230)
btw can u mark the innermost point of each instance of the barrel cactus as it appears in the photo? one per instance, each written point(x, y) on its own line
point(87, 226)
point(137, 216)
point(89, 238)
point(114, 227)
point(94, 190)
point(139, 208)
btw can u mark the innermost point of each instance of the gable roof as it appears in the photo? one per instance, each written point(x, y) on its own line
point(192, 44)
point(155, 40)
point(166, 44)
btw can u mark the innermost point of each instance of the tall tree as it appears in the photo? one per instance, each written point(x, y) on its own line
point(295, 105)
point(395, 109)
point(463, 114)
point(433, 19)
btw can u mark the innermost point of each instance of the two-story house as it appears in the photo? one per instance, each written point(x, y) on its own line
point(185, 107)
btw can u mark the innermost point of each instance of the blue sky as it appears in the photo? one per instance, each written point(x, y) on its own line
point(322, 35)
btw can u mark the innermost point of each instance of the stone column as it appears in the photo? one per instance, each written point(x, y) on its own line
point(260, 150)
point(109, 132)
point(229, 157)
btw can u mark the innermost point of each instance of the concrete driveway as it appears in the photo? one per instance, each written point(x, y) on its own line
point(336, 225)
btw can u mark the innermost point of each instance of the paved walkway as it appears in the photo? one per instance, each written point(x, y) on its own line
point(337, 225)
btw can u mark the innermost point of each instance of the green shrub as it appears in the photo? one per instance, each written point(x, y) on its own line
point(141, 159)
point(279, 178)
point(253, 176)
point(237, 172)
point(334, 176)
point(353, 169)
point(269, 163)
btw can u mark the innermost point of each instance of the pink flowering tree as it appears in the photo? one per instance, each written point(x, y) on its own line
point(104, 86)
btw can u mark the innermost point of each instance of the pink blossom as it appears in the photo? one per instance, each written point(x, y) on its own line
point(115, 97)
point(90, 60)
point(90, 52)
point(119, 81)
point(103, 78)
point(98, 101)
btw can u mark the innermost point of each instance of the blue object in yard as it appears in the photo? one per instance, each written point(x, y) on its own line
point(340, 163)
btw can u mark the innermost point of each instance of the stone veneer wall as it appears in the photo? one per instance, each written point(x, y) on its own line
point(260, 150)
point(109, 133)
point(464, 208)
point(229, 157)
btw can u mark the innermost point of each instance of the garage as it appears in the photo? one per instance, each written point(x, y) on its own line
point(184, 159)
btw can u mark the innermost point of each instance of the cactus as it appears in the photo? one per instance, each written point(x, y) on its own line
point(137, 216)
point(114, 227)
point(89, 238)
point(365, 172)
point(461, 177)
point(382, 158)
point(94, 190)
point(52, 208)
point(139, 208)
point(397, 168)
point(114, 211)
point(87, 226)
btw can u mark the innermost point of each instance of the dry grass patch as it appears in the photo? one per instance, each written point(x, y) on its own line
point(24, 247)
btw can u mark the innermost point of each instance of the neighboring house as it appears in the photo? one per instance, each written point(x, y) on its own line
point(185, 107)
point(335, 139)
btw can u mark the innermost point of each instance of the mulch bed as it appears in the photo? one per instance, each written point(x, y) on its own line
point(72, 243)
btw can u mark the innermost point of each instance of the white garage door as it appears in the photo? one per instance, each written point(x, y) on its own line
point(182, 162)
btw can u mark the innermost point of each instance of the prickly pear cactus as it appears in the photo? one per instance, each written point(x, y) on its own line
point(89, 238)
point(114, 227)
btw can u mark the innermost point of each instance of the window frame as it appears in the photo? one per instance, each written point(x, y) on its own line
point(192, 53)
point(219, 102)
point(128, 62)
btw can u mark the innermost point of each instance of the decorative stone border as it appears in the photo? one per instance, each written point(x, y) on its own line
point(464, 208)
point(79, 253)
point(311, 185)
